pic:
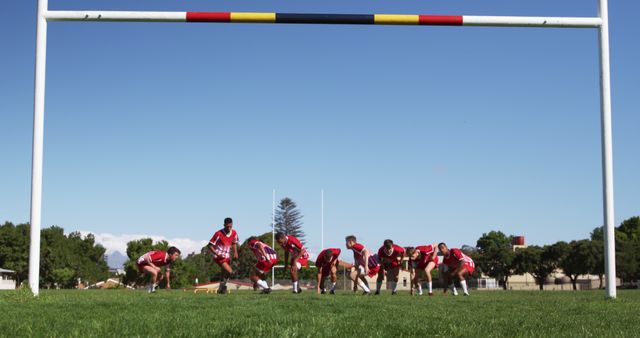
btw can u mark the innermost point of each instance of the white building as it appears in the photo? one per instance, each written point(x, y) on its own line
point(6, 279)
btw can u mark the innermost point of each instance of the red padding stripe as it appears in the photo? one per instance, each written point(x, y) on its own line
point(440, 20)
point(208, 17)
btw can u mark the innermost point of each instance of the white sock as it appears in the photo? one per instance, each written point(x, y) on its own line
point(333, 286)
point(419, 288)
point(394, 285)
point(430, 284)
point(295, 286)
point(378, 286)
point(464, 286)
point(363, 286)
point(453, 288)
point(262, 284)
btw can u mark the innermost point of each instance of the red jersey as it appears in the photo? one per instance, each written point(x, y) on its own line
point(391, 257)
point(320, 261)
point(426, 253)
point(222, 242)
point(158, 258)
point(296, 248)
point(455, 256)
point(271, 254)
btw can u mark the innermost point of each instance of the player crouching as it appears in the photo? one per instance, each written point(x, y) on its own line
point(151, 263)
point(423, 258)
point(299, 256)
point(457, 266)
point(365, 264)
point(390, 256)
point(220, 246)
point(267, 258)
point(326, 263)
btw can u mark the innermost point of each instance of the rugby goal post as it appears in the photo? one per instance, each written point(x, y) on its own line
point(601, 22)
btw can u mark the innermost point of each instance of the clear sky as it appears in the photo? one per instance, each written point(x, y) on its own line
point(419, 134)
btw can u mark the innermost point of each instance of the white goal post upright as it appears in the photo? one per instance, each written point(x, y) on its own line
point(601, 22)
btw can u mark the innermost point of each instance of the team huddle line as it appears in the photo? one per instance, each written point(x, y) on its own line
point(387, 262)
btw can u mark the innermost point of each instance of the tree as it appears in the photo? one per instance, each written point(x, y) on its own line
point(540, 262)
point(495, 256)
point(288, 219)
point(580, 260)
point(14, 249)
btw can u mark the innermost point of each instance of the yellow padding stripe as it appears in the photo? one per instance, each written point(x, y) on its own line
point(394, 19)
point(253, 17)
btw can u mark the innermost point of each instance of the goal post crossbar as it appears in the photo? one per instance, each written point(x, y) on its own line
point(315, 18)
point(601, 22)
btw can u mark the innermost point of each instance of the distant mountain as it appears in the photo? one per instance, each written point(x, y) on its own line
point(116, 260)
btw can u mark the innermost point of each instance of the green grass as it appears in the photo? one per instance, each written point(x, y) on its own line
point(280, 314)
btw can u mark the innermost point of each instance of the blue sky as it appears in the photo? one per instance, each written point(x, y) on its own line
point(419, 134)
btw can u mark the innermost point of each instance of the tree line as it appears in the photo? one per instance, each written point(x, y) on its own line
point(65, 260)
point(495, 257)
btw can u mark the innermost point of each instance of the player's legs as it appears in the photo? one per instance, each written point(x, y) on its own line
point(357, 276)
point(153, 274)
point(428, 270)
point(416, 279)
point(379, 281)
point(226, 273)
point(461, 274)
point(334, 278)
point(392, 278)
point(295, 266)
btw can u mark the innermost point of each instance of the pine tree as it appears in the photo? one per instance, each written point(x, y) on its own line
point(288, 219)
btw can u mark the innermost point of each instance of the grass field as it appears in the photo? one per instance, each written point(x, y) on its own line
point(280, 314)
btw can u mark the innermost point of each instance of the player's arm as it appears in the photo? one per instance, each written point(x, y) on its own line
point(366, 255)
point(261, 247)
point(435, 251)
point(401, 257)
point(286, 258)
point(168, 276)
point(235, 250)
point(318, 280)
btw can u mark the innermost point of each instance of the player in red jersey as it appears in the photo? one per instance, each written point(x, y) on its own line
point(220, 245)
point(299, 256)
point(390, 256)
point(365, 264)
point(423, 258)
point(457, 266)
point(151, 263)
point(266, 257)
point(327, 263)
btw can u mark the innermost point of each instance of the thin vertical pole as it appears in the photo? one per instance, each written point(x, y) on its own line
point(273, 233)
point(322, 218)
point(37, 150)
point(607, 156)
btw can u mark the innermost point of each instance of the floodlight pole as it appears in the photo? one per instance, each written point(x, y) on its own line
point(37, 150)
point(607, 157)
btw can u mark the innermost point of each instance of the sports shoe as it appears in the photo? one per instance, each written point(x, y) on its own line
point(265, 291)
point(466, 294)
point(377, 293)
point(323, 291)
point(365, 293)
point(430, 294)
point(393, 293)
point(222, 289)
point(332, 292)
point(299, 290)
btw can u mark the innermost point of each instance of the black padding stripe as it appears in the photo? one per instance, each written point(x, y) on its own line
point(354, 19)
